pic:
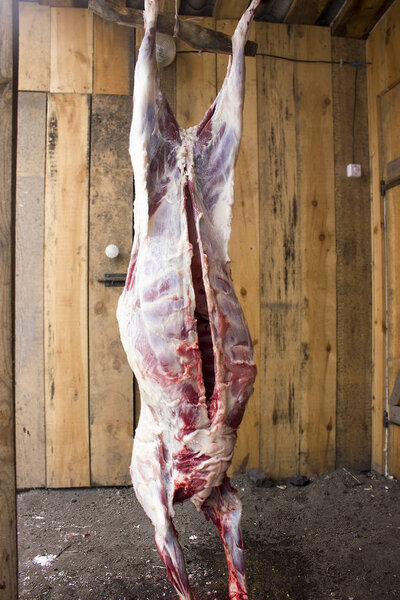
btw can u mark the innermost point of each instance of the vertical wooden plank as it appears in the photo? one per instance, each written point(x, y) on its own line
point(71, 50)
point(315, 156)
point(8, 526)
point(111, 383)
point(113, 58)
point(34, 47)
point(353, 245)
point(394, 451)
point(66, 241)
point(390, 117)
point(168, 74)
point(196, 84)
point(244, 246)
point(280, 275)
point(376, 83)
point(29, 348)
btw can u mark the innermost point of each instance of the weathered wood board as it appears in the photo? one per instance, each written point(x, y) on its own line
point(8, 517)
point(29, 348)
point(318, 252)
point(34, 47)
point(280, 278)
point(390, 148)
point(113, 58)
point(65, 291)
point(302, 13)
point(71, 62)
point(383, 48)
point(110, 222)
point(376, 83)
point(244, 247)
point(358, 17)
point(196, 86)
point(353, 245)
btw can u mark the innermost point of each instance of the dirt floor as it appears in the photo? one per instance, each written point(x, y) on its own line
point(336, 538)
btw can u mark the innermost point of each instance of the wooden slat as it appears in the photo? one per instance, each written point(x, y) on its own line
point(113, 58)
point(8, 526)
point(226, 9)
point(196, 84)
point(34, 47)
point(394, 450)
point(390, 117)
point(66, 240)
point(244, 247)
point(280, 277)
point(353, 245)
point(305, 12)
point(111, 383)
point(358, 17)
point(315, 156)
point(29, 348)
point(71, 50)
point(376, 83)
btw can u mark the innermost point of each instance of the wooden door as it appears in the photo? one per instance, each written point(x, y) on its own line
point(390, 118)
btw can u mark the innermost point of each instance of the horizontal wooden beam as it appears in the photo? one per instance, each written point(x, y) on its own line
point(199, 38)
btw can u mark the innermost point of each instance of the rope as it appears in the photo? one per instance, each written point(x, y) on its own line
point(176, 26)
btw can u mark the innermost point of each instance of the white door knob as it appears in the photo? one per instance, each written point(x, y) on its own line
point(112, 251)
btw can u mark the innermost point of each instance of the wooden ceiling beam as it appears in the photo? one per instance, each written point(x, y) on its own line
point(357, 17)
point(273, 11)
point(226, 9)
point(196, 36)
point(305, 12)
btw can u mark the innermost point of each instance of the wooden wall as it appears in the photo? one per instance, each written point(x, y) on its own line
point(300, 258)
point(383, 51)
point(74, 398)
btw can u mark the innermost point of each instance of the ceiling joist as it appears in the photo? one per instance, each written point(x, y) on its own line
point(199, 38)
point(358, 17)
point(305, 13)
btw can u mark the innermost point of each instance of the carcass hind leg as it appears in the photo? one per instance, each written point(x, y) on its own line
point(224, 508)
point(171, 553)
point(150, 492)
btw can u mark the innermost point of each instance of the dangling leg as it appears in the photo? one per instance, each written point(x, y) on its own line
point(150, 491)
point(224, 508)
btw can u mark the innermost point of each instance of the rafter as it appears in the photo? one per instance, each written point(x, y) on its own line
point(357, 17)
point(196, 36)
point(305, 12)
